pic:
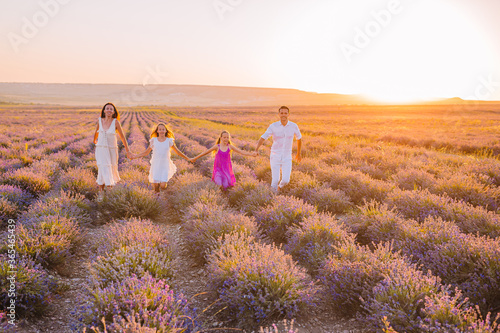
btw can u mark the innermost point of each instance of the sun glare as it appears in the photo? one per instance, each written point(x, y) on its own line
point(416, 52)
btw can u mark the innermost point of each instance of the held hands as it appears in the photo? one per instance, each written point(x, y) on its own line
point(254, 154)
point(132, 156)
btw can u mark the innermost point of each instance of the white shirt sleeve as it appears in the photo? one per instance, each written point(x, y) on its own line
point(268, 132)
point(152, 142)
point(171, 143)
point(298, 135)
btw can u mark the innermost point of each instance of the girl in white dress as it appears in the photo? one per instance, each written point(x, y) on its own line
point(106, 151)
point(162, 167)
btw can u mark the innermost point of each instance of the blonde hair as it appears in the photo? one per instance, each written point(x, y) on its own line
point(169, 134)
point(220, 136)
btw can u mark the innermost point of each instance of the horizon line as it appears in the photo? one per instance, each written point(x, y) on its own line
point(360, 95)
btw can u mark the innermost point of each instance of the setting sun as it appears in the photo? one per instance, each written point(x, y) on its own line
point(395, 51)
point(405, 52)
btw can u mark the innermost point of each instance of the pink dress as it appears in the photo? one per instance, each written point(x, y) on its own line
point(223, 174)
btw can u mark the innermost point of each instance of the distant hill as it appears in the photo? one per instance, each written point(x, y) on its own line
point(458, 100)
point(182, 95)
point(172, 95)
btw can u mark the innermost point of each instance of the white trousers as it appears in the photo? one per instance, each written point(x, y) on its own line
point(283, 165)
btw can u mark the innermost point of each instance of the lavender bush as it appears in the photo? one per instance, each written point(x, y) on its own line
point(135, 177)
point(375, 222)
point(314, 238)
point(29, 180)
point(132, 232)
point(33, 286)
point(50, 241)
point(328, 200)
point(125, 201)
point(249, 195)
point(464, 187)
point(283, 213)
point(189, 188)
point(148, 300)
point(257, 282)
point(448, 313)
point(351, 272)
point(62, 203)
point(8, 210)
point(421, 204)
point(413, 178)
point(358, 186)
point(78, 180)
point(205, 224)
point(400, 297)
point(138, 260)
point(17, 196)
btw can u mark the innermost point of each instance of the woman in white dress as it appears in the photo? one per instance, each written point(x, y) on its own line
point(106, 151)
point(162, 167)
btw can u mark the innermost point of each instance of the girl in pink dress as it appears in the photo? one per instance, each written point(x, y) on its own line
point(223, 174)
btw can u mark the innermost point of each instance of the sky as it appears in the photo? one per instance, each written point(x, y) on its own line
point(389, 50)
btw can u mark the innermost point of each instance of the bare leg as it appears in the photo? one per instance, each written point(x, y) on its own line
point(100, 194)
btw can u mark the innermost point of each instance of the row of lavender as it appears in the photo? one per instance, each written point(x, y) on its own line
point(134, 173)
point(31, 135)
point(48, 199)
point(134, 263)
point(311, 238)
point(444, 128)
point(472, 180)
point(484, 266)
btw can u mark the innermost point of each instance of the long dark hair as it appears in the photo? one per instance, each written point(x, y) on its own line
point(115, 115)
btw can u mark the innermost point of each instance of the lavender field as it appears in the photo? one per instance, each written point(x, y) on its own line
point(390, 224)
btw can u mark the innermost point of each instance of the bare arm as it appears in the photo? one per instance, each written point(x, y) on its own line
point(144, 153)
point(259, 143)
point(299, 146)
point(242, 152)
point(96, 134)
point(122, 136)
point(211, 149)
point(180, 153)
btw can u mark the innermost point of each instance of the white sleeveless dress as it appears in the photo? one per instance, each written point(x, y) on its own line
point(162, 167)
point(106, 155)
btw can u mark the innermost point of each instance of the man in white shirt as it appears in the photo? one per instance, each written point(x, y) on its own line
point(283, 132)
